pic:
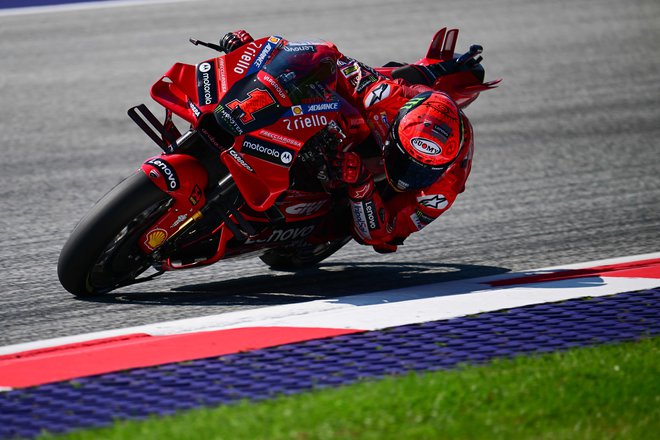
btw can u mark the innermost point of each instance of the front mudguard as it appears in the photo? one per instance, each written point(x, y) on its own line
point(184, 179)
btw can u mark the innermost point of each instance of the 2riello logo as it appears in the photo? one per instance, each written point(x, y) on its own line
point(245, 60)
point(305, 121)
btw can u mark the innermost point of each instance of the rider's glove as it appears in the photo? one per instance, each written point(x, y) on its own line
point(425, 75)
point(439, 69)
point(435, 71)
point(353, 170)
point(355, 174)
point(348, 168)
point(233, 40)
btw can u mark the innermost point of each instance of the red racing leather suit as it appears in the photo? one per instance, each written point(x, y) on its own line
point(385, 224)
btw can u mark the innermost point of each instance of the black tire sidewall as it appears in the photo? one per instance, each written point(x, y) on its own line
point(103, 222)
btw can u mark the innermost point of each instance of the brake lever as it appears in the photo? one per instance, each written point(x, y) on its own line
point(204, 43)
point(475, 50)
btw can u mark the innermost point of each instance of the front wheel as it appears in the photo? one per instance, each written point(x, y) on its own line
point(102, 252)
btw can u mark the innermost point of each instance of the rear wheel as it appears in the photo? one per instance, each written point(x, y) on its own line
point(307, 255)
point(102, 252)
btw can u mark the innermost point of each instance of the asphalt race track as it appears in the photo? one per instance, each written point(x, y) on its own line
point(567, 166)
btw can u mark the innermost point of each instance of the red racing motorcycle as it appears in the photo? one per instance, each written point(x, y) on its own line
point(252, 175)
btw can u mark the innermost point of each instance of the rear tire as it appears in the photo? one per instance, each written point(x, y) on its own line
point(102, 252)
point(307, 255)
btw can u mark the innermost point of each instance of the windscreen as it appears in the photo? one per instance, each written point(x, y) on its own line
point(304, 76)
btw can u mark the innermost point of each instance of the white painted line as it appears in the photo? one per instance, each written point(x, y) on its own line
point(411, 305)
point(390, 308)
point(67, 7)
point(604, 262)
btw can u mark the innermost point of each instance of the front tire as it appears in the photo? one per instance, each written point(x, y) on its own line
point(102, 252)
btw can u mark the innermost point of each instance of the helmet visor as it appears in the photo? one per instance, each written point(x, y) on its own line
point(405, 173)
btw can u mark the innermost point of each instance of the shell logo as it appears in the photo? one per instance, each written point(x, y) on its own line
point(297, 110)
point(155, 238)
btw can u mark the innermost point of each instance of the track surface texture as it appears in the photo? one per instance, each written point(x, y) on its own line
point(289, 369)
point(567, 164)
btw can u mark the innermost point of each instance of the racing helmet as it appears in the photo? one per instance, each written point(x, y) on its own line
point(425, 138)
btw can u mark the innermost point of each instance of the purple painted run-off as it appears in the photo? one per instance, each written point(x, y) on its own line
point(288, 369)
point(4, 4)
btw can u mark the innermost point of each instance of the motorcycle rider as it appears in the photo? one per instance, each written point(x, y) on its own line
point(426, 143)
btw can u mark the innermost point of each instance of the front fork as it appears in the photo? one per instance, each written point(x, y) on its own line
point(184, 179)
